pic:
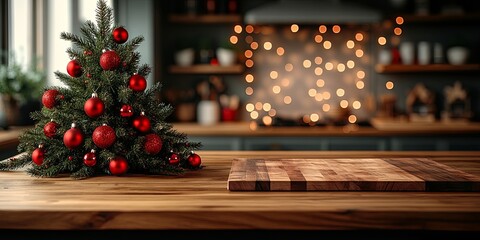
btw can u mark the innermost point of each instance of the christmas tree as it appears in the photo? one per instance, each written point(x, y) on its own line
point(105, 121)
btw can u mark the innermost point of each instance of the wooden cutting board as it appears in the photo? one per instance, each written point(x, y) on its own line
point(366, 174)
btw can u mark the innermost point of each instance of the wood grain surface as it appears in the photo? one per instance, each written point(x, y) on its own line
point(199, 200)
point(348, 174)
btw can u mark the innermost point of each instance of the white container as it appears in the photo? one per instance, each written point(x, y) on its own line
point(226, 57)
point(208, 112)
point(185, 57)
point(385, 56)
point(407, 52)
point(424, 55)
point(457, 55)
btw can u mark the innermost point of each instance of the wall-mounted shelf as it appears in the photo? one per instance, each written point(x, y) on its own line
point(207, 69)
point(205, 19)
point(397, 68)
point(442, 18)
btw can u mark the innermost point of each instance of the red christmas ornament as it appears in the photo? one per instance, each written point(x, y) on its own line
point(153, 144)
point(90, 159)
point(118, 165)
point(173, 159)
point(49, 98)
point(142, 123)
point(74, 68)
point(50, 129)
point(70, 158)
point(104, 136)
point(89, 75)
point(94, 106)
point(73, 137)
point(109, 60)
point(120, 35)
point(137, 83)
point(87, 53)
point(194, 160)
point(38, 155)
point(126, 111)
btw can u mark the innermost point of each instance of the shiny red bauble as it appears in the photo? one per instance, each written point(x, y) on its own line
point(49, 98)
point(126, 111)
point(109, 60)
point(104, 136)
point(120, 35)
point(194, 160)
point(174, 159)
point(142, 123)
point(90, 159)
point(50, 129)
point(38, 155)
point(73, 138)
point(87, 53)
point(94, 106)
point(137, 83)
point(153, 144)
point(74, 68)
point(118, 165)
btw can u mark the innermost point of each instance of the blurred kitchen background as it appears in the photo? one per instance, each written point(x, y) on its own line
point(284, 74)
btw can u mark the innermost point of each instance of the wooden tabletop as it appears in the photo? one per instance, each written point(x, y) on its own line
point(9, 138)
point(200, 200)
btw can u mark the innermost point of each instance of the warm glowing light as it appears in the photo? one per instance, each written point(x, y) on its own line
point(288, 67)
point(249, 91)
point(287, 99)
point(249, 78)
point(322, 29)
point(350, 44)
point(248, 39)
point(253, 125)
point(352, 119)
point(254, 45)
point(249, 29)
point(336, 28)
point(320, 83)
point(294, 28)
point(399, 20)
point(307, 63)
point(360, 84)
point(329, 66)
point(280, 51)
point(350, 64)
point(389, 85)
point(312, 92)
point(273, 74)
point(356, 104)
point(248, 53)
point(267, 107)
point(237, 29)
point(258, 106)
point(318, 38)
point(361, 74)
point(359, 37)
point(326, 95)
point(397, 31)
point(318, 60)
point(249, 63)
point(340, 92)
point(326, 107)
point(272, 112)
point(319, 97)
point(276, 89)
point(344, 104)
point(234, 39)
point(306, 118)
point(341, 67)
point(314, 117)
point(267, 45)
point(254, 115)
point(359, 53)
point(318, 71)
point(285, 82)
point(267, 120)
point(382, 41)
point(327, 45)
point(249, 107)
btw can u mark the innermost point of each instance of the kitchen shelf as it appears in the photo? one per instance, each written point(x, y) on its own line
point(207, 69)
point(205, 19)
point(398, 68)
point(442, 18)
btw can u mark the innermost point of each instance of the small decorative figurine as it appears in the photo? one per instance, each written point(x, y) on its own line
point(457, 104)
point(421, 104)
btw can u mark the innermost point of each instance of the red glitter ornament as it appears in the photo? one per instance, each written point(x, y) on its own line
point(94, 106)
point(109, 60)
point(137, 83)
point(126, 111)
point(120, 35)
point(49, 98)
point(50, 129)
point(142, 123)
point(73, 137)
point(70, 158)
point(153, 144)
point(90, 159)
point(38, 155)
point(194, 160)
point(104, 136)
point(173, 159)
point(118, 165)
point(87, 53)
point(74, 68)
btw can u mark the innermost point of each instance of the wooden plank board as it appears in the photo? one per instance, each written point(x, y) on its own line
point(348, 174)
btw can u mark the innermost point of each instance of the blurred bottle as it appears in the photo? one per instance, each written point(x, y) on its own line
point(438, 53)
point(191, 7)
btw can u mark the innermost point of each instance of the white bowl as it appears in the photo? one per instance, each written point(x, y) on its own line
point(457, 55)
point(226, 57)
point(185, 57)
